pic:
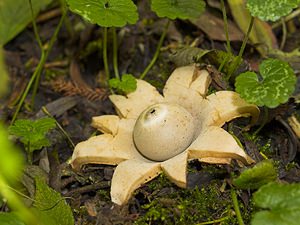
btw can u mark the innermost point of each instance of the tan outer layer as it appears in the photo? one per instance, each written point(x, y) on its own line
point(130, 175)
point(217, 143)
point(230, 105)
point(137, 101)
point(108, 124)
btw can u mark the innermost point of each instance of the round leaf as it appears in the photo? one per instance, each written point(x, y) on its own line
point(262, 173)
point(106, 13)
point(182, 9)
point(271, 9)
point(277, 84)
point(281, 203)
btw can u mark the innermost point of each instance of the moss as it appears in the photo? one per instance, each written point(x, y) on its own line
point(188, 206)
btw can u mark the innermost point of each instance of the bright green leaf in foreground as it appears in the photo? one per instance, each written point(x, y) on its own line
point(9, 219)
point(52, 208)
point(276, 85)
point(126, 85)
point(271, 9)
point(281, 204)
point(106, 13)
point(3, 74)
point(33, 133)
point(262, 173)
point(182, 9)
point(11, 161)
point(15, 16)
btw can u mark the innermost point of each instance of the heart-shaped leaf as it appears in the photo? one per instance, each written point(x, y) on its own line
point(276, 85)
point(50, 206)
point(106, 13)
point(182, 9)
point(281, 203)
point(15, 16)
point(271, 9)
point(262, 173)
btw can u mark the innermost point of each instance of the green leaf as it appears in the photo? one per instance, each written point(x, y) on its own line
point(3, 74)
point(106, 13)
point(51, 207)
point(276, 86)
point(33, 133)
point(126, 85)
point(10, 219)
point(15, 16)
point(271, 9)
point(11, 161)
point(262, 173)
point(182, 9)
point(282, 204)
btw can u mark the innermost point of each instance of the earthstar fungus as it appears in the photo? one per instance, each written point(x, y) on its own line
point(154, 133)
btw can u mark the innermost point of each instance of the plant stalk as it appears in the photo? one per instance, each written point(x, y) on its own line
point(105, 60)
point(156, 54)
point(39, 68)
point(236, 207)
point(284, 34)
point(242, 49)
point(115, 53)
point(226, 26)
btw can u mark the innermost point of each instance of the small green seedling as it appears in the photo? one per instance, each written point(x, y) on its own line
point(33, 133)
point(274, 86)
point(126, 85)
point(281, 204)
point(182, 9)
point(262, 173)
point(271, 9)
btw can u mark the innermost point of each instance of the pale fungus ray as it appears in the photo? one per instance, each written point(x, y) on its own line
point(154, 133)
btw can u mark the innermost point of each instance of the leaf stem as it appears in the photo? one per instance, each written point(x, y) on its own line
point(242, 49)
point(237, 62)
point(59, 126)
point(226, 26)
point(39, 68)
point(264, 120)
point(156, 54)
point(236, 207)
point(214, 221)
point(284, 34)
point(105, 60)
point(35, 30)
point(115, 53)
